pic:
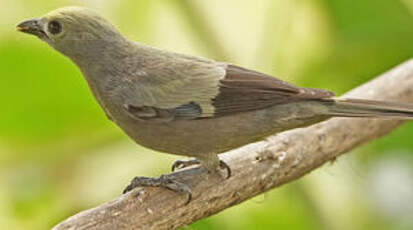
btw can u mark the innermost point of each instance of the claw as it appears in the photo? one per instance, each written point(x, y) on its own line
point(177, 165)
point(224, 165)
point(128, 188)
point(188, 199)
point(163, 181)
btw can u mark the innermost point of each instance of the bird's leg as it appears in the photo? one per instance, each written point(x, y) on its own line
point(212, 163)
point(163, 181)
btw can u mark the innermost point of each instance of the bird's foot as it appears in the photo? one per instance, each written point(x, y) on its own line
point(179, 164)
point(163, 181)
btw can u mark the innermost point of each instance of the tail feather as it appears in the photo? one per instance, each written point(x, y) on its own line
point(369, 108)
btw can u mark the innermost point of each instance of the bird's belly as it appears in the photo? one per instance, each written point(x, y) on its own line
point(217, 135)
point(191, 138)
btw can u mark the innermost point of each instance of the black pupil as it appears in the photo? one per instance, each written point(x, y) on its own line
point(54, 27)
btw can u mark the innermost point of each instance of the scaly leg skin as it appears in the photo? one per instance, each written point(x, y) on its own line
point(211, 163)
point(162, 181)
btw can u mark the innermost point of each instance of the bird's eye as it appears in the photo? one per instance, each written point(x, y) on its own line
point(54, 27)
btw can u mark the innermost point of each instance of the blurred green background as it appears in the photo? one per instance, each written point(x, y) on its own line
point(60, 155)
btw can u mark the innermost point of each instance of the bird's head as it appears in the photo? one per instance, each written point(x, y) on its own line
point(73, 31)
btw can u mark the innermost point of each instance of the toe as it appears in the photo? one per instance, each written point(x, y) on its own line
point(163, 181)
point(225, 166)
point(179, 164)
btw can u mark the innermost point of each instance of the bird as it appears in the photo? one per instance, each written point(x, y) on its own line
point(187, 105)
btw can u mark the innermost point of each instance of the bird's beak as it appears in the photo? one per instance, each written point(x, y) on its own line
point(32, 26)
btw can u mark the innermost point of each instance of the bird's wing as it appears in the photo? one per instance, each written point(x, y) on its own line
point(196, 90)
point(244, 90)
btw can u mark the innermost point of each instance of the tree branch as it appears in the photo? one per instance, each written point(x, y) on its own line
point(256, 167)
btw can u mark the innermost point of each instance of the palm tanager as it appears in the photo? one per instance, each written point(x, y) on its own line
point(187, 105)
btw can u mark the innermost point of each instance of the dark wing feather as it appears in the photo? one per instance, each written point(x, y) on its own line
point(245, 90)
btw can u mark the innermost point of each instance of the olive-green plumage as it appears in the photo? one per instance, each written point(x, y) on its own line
point(182, 104)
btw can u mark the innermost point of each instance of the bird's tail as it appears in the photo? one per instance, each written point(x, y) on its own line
point(368, 108)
